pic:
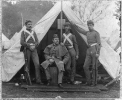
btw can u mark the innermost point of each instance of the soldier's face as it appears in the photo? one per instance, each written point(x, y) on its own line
point(67, 28)
point(56, 40)
point(29, 25)
point(90, 26)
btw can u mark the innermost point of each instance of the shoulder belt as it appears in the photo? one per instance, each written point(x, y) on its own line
point(30, 35)
point(67, 38)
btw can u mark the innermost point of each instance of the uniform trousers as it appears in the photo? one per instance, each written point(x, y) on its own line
point(48, 76)
point(90, 59)
point(71, 64)
point(35, 58)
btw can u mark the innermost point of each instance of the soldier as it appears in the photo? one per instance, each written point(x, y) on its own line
point(69, 40)
point(58, 54)
point(30, 42)
point(94, 44)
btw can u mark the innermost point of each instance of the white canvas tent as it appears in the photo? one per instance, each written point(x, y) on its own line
point(5, 42)
point(13, 59)
point(114, 38)
point(15, 38)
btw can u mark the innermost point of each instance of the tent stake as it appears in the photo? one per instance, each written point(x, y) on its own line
point(114, 80)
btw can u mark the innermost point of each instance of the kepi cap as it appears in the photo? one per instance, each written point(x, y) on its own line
point(55, 36)
point(90, 22)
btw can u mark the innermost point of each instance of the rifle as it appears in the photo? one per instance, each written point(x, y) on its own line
point(96, 65)
point(27, 75)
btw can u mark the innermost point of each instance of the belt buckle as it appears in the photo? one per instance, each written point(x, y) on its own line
point(93, 44)
point(70, 47)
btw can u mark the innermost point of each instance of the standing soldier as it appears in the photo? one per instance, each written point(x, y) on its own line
point(30, 42)
point(94, 44)
point(69, 40)
point(55, 54)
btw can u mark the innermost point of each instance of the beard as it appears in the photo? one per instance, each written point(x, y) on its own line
point(66, 30)
point(56, 43)
point(29, 28)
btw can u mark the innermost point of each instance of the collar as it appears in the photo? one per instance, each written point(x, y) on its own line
point(55, 44)
point(30, 30)
point(67, 33)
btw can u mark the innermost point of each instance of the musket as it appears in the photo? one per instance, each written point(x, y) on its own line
point(27, 75)
point(96, 64)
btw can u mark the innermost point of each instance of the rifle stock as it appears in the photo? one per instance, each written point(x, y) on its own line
point(27, 75)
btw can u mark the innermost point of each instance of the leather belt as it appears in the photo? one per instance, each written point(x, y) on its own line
point(69, 47)
point(93, 44)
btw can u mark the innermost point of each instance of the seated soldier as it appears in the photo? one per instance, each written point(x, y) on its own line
point(58, 54)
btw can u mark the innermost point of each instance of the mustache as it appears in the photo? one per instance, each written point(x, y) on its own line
point(30, 27)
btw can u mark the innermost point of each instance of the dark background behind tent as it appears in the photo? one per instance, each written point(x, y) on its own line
point(12, 18)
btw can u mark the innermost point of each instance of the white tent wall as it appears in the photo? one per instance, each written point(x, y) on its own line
point(5, 42)
point(114, 38)
point(13, 59)
point(109, 59)
point(15, 38)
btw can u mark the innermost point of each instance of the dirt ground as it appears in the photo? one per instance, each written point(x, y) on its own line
point(9, 90)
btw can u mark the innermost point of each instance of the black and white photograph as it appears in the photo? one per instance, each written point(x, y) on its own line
point(61, 49)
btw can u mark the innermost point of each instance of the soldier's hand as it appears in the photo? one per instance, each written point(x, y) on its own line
point(51, 60)
point(77, 57)
point(97, 55)
point(62, 43)
point(61, 62)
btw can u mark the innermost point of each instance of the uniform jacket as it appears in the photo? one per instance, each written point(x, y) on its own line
point(75, 44)
point(94, 37)
point(59, 53)
point(23, 42)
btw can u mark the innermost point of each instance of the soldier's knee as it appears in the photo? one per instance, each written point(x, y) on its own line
point(37, 65)
point(68, 69)
point(85, 67)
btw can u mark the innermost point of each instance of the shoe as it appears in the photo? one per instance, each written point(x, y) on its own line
point(48, 82)
point(72, 82)
point(40, 83)
point(87, 84)
point(60, 85)
point(93, 84)
point(68, 82)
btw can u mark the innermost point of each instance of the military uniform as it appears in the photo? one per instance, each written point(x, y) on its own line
point(69, 40)
point(58, 53)
point(94, 43)
point(27, 38)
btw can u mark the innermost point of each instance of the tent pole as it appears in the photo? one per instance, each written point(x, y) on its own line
point(22, 19)
point(121, 32)
point(61, 21)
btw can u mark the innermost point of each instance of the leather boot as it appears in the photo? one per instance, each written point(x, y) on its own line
point(60, 85)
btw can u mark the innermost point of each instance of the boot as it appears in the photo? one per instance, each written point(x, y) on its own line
point(60, 85)
point(48, 82)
